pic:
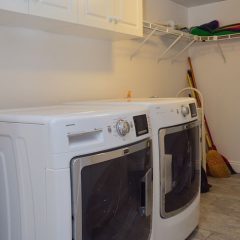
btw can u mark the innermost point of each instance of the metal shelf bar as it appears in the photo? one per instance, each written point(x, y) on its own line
point(221, 52)
point(184, 49)
point(168, 49)
point(142, 43)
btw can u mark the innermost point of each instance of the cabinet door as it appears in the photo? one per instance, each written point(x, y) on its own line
point(129, 16)
point(97, 13)
point(14, 5)
point(65, 10)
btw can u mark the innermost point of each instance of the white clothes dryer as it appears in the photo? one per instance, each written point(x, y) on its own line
point(175, 132)
point(75, 172)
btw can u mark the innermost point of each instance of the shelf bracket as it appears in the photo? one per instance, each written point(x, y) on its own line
point(221, 52)
point(142, 43)
point(169, 48)
point(184, 49)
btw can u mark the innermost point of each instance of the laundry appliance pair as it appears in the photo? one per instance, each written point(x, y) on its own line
point(175, 133)
point(100, 171)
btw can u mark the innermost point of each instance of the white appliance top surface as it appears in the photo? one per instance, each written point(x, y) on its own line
point(142, 101)
point(153, 100)
point(193, 3)
point(49, 113)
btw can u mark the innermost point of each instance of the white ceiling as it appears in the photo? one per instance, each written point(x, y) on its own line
point(192, 3)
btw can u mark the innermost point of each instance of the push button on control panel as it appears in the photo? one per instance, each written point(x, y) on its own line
point(109, 129)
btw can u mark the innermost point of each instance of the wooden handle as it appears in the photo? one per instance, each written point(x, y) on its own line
point(192, 80)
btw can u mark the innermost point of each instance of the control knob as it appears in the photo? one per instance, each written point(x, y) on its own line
point(123, 127)
point(184, 111)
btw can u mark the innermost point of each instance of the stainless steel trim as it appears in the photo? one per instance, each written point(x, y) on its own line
point(106, 156)
point(162, 165)
point(168, 173)
point(147, 180)
point(181, 127)
point(79, 163)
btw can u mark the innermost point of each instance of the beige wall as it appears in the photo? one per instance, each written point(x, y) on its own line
point(39, 68)
point(164, 10)
point(226, 12)
point(219, 81)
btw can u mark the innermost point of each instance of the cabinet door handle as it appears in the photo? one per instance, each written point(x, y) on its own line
point(111, 19)
point(116, 20)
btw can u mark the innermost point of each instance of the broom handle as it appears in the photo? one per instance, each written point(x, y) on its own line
point(193, 83)
point(190, 82)
point(208, 135)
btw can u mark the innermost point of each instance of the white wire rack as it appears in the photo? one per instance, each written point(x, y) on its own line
point(157, 28)
point(179, 35)
point(167, 30)
point(218, 38)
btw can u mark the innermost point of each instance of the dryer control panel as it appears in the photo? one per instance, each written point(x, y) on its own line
point(187, 109)
point(193, 109)
point(175, 113)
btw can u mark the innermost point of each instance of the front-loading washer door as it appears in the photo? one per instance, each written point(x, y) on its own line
point(112, 194)
point(179, 167)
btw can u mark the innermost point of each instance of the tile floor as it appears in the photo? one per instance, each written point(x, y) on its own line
point(220, 211)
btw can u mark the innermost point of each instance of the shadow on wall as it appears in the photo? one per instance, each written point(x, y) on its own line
point(23, 49)
point(39, 68)
point(207, 48)
point(152, 49)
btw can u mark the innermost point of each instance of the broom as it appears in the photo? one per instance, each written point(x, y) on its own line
point(208, 136)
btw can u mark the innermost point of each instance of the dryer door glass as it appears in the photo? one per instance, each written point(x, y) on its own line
point(112, 194)
point(180, 167)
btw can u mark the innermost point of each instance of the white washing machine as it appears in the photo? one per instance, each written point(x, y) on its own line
point(176, 163)
point(75, 172)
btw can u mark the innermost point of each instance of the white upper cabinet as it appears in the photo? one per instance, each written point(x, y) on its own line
point(14, 5)
point(65, 10)
point(96, 13)
point(123, 16)
point(116, 16)
point(129, 14)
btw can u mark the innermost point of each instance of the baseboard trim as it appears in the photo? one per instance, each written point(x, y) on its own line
point(236, 166)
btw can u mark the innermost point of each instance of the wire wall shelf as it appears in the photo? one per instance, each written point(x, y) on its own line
point(154, 28)
point(218, 38)
point(167, 30)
